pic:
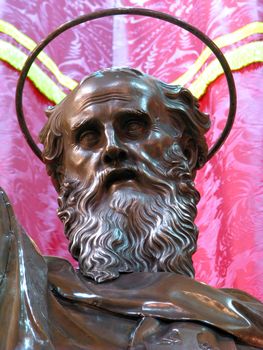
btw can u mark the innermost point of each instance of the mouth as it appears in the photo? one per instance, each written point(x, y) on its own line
point(118, 176)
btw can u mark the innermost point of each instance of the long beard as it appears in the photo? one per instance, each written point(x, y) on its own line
point(139, 232)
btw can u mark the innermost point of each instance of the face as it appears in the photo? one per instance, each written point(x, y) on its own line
point(116, 127)
point(126, 195)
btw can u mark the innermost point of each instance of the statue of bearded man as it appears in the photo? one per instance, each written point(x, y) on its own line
point(127, 147)
point(122, 150)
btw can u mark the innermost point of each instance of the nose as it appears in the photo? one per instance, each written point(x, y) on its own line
point(114, 152)
point(114, 155)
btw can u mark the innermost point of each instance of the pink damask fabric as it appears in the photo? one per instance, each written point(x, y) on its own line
point(230, 249)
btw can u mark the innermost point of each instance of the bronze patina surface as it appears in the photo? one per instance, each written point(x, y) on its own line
point(122, 151)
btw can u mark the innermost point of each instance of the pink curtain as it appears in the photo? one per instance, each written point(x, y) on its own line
point(230, 212)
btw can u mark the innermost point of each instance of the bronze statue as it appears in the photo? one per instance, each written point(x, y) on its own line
point(122, 150)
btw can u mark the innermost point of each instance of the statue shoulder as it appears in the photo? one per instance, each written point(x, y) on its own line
point(6, 235)
point(241, 295)
point(23, 286)
point(17, 250)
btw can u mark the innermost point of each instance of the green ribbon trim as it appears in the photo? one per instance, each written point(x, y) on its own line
point(16, 58)
point(238, 58)
point(30, 44)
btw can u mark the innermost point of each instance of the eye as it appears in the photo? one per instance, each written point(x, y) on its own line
point(88, 138)
point(134, 126)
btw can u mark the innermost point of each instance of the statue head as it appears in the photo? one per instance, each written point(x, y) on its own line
point(122, 150)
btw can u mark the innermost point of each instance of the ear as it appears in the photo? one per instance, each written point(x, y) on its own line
point(193, 152)
point(57, 177)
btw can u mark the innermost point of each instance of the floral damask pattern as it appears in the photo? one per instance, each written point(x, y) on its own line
point(230, 211)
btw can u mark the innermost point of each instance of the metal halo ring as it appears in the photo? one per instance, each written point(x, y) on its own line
point(126, 11)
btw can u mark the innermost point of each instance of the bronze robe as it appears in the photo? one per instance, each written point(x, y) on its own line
point(45, 304)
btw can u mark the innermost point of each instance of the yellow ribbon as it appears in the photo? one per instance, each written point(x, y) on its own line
point(30, 44)
point(222, 41)
point(16, 58)
point(237, 58)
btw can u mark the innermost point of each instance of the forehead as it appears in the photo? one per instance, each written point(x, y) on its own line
point(119, 82)
point(112, 92)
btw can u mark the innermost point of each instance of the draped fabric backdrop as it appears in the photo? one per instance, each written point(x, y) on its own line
point(230, 215)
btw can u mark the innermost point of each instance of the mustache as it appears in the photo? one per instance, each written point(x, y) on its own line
point(112, 174)
point(156, 179)
point(86, 196)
